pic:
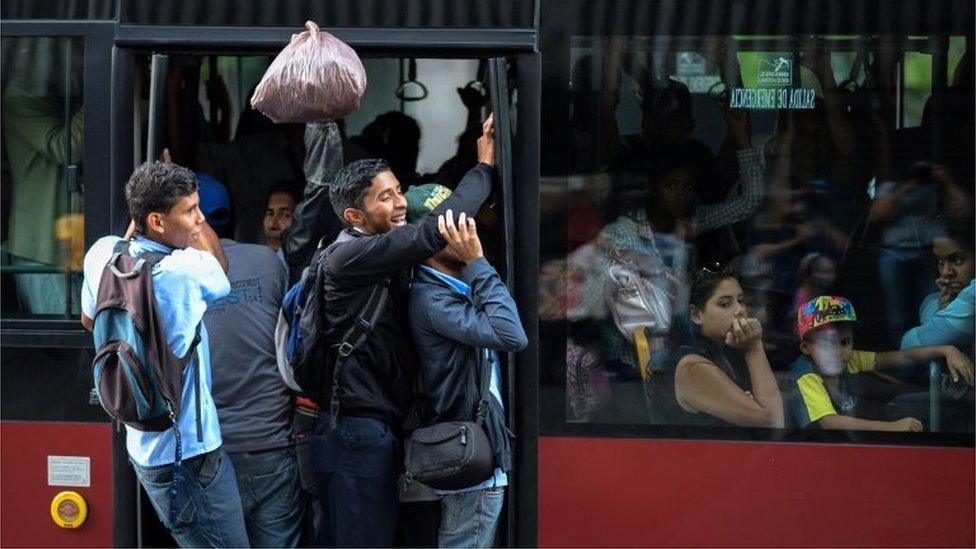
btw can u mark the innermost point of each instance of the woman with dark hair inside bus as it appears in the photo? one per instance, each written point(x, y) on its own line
point(718, 373)
point(948, 317)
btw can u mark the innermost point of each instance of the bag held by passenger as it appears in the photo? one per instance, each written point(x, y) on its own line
point(452, 455)
point(138, 379)
point(317, 77)
point(639, 294)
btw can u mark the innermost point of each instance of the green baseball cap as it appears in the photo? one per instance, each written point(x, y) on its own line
point(422, 199)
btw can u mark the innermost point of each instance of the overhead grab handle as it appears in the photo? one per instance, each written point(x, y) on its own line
point(411, 84)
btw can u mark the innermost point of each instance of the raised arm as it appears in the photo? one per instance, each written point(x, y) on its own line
point(314, 217)
point(366, 259)
point(34, 121)
point(494, 321)
point(746, 195)
point(208, 241)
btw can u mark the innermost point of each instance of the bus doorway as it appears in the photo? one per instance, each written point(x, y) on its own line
point(421, 114)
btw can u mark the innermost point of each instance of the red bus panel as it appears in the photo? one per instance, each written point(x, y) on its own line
point(639, 492)
point(25, 501)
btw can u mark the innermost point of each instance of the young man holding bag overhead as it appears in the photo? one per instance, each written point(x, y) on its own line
point(354, 452)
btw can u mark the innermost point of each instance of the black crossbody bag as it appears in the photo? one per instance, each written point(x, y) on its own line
point(452, 455)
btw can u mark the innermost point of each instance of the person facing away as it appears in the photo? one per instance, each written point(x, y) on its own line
point(822, 374)
point(253, 404)
point(355, 465)
point(459, 307)
point(718, 372)
point(164, 204)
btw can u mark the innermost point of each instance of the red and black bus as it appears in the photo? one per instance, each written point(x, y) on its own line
point(843, 101)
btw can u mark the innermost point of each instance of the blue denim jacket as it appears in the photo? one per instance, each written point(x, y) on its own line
point(448, 330)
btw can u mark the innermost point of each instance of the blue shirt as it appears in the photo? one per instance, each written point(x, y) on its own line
point(953, 325)
point(494, 388)
point(184, 282)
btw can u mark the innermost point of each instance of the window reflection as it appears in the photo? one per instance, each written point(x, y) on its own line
point(43, 224)
point(808, 171)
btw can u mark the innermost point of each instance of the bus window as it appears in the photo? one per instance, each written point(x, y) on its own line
point(754, 231)
point(42, 215)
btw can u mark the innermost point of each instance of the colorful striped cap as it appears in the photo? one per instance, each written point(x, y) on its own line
point(825, 309)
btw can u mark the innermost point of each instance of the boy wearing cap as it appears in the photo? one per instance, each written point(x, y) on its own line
point(459, 306)
point(822, 373)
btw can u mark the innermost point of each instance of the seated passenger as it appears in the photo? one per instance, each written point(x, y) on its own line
point(823, 374)
point(947, 316)
point(460, 307)
point(718, 373)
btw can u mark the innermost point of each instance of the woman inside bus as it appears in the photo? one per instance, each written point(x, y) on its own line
point(717, 371)
point(947, 318)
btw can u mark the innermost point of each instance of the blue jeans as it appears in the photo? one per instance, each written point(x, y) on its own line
point(470, 519)
point(355, 470)
point(209, 506)
point(271, 496)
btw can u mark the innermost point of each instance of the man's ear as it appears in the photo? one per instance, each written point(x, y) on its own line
point(155, 224)
point(696, 315)
point(354, 217)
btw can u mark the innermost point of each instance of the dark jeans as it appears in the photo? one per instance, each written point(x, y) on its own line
point(271, 496)
point(355, 469)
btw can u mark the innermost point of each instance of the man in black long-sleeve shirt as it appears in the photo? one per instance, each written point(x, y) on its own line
point(356, 465)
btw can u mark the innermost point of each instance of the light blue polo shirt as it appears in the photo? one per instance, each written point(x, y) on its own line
point(184, 282)
point(953, 325)
point(494, 389)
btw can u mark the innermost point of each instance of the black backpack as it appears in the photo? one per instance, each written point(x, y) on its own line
point(311, 361)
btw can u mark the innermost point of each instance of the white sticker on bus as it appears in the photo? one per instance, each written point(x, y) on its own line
point(69, 471)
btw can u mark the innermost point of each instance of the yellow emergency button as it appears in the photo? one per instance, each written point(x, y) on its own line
point(69, 509)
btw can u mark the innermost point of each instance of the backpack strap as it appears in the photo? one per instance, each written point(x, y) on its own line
point(354, 337)
point(145, 258)
point(197, 373)
point(484, 362)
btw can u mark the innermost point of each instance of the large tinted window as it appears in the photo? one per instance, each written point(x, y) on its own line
point(769, 231)
point(42, 227)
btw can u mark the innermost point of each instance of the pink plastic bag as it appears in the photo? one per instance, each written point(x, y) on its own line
point(316, 77)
